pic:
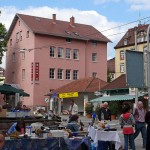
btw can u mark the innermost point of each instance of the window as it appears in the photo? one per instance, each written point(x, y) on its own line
point(60, 74)
point(13, 77)
point(13, 57)
point(52, 51)
point(94, 57)
point(17, 36)
point(23, 55)
point(52, 73)
point(60, 52)
point(23, 74)
point(94, 43)
point(68, 40)
point(27, 34)
point(75, 74)
point(125, 41)
point(10, 42)
point(122, 67)
point(94, 74)
point(122, 54)
point(20, 35)
point(68, 74)
point(68, 53)
point(75, 54)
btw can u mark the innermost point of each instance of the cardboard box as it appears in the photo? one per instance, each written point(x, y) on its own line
point(3, 113)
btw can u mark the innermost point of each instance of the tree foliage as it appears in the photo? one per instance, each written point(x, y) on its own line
point(3, 41)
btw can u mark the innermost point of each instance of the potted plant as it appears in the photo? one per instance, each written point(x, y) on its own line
point(89, 110)
point(113, 106)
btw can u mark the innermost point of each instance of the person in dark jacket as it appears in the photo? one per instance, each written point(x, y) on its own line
point(104, 112)
point(147, 120)
point(73, 124)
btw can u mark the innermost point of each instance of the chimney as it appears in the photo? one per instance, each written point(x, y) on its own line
point(54, 18)
point(72, 21)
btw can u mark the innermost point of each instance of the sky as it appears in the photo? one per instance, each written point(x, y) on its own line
point(111, 17)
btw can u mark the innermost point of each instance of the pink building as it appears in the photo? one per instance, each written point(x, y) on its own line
point(44, 54)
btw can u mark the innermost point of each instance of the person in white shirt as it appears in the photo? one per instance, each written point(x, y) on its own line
point(73, 109)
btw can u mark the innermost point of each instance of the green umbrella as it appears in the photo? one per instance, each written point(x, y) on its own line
point(8, 89)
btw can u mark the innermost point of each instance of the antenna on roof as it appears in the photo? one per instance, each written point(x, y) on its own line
point(139, 18)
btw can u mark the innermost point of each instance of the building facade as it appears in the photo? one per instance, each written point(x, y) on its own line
point(133, 35)
point(44, 54)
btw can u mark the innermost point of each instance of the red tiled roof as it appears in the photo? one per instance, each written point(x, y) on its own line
point(130, 36)
point(111, 65)
point(88, 84)
point(118, 83)
point(46, 26)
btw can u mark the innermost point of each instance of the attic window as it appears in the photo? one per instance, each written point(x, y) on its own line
point(94, 43)
point(76, 33)
point(38, 19)
point(68, 32)
point(125, 41)
point(68, 40)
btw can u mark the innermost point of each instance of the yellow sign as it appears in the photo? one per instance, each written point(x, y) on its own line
point(67, 95)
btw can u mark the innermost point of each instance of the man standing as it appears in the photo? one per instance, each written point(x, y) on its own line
point(73, 109)
point(106, 113)
point(140, 126)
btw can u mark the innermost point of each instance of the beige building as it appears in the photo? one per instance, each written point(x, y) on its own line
point(127, 42)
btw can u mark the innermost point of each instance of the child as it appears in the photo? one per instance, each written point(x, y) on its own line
point(127, 122)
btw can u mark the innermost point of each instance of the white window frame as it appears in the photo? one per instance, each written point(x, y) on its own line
point(23, 74)
point(75, 74)
point(94, 57)
point(76, 54)
point(94, 74)
point(60, 74)
point(52, 73)
point(27, 34)
point(52, 52)
point(122, 68)
point(60, 52)
point(68, 74)
point(68, 53)
point(20, 35)
point(122, 55)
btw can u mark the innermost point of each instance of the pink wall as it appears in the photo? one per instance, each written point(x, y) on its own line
point(40, 46)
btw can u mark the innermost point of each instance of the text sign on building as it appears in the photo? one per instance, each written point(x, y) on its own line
point(36, 71)
point(134, 69)
point(68, 95)
point(32, 71)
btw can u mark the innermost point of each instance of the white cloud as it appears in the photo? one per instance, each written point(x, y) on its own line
point(104, 1)
point(93, 18)
point(139, 4)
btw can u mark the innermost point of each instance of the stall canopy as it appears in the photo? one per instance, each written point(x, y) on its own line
point(114, 98)
point(8, 89)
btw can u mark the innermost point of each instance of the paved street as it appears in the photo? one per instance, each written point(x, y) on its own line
point(86, 121)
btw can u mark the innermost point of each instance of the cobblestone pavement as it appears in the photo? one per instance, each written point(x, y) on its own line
point(86, 121)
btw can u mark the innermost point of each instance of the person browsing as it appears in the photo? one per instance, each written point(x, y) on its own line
point(73, 108)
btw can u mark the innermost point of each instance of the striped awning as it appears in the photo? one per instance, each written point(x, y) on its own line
point(114, 98)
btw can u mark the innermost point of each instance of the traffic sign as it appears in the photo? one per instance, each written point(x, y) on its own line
point(46, 100)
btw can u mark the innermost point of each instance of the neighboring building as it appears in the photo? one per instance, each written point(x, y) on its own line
point(2, 75)
point(86, 88)
point(111, 69)
point(44, 54)
point(127, 42)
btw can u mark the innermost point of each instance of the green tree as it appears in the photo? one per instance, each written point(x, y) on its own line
point(3, 41)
